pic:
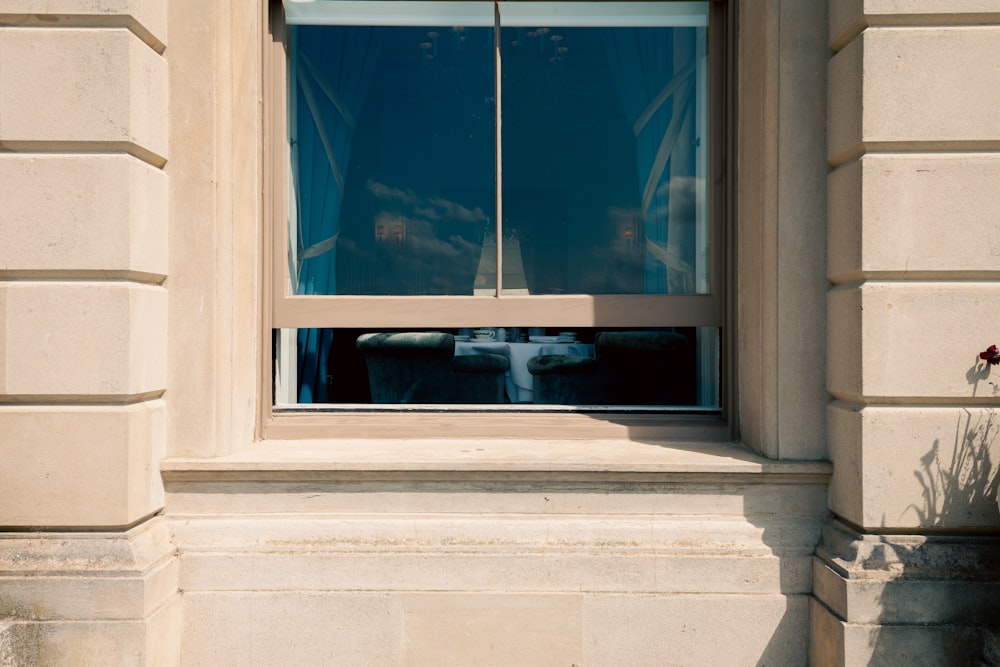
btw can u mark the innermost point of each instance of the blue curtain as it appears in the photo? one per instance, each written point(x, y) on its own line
point(654, 73)
point(332, 68)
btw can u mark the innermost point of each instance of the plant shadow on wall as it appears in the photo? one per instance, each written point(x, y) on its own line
point(966, 485)
point(947, 577)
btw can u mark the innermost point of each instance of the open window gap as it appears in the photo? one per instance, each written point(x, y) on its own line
point(490, 368)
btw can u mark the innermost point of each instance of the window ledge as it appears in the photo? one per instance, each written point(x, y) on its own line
point(596, 460)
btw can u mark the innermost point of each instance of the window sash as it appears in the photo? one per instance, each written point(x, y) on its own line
point(481, 14)
point(289, 310)
point(642, 310)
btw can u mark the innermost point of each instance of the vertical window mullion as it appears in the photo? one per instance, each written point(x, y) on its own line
point(498, 150)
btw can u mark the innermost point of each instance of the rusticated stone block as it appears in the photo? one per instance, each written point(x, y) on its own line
point(80, 466)
point(148, 16)
point(82, 213)
point(910, 340)
point(908, 467)
point(82, 340)
point(99, 86)
point(847, 17)
point(895, 86)
point(914, 214)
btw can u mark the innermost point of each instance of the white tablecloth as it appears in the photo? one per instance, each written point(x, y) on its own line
point(518, 380)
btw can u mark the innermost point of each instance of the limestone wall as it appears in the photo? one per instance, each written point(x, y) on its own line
point(83, 258)
point(912, 144)
point(319, 553)
point(511, 545)
point(84, 217)
point(133, 183)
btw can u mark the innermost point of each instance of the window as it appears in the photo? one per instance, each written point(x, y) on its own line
point(526, 170)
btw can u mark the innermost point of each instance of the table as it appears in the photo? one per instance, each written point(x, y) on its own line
point(518, 381)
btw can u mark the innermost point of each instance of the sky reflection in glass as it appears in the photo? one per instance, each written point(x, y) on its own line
point(395, 166)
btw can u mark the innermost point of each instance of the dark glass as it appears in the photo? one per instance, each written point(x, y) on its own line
point(676, 366)
point(415, 196)
point(598, 198)
point(394, 153)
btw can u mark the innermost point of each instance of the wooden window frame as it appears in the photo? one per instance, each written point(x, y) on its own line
point(280, 309)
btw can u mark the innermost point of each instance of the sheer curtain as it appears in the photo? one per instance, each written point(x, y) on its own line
point(661, 91)
point(655, 74)
point(331, 68)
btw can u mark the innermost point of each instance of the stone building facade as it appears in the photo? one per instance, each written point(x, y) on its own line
point(844, 512)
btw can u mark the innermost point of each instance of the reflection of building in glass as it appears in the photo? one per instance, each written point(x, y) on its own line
point(513, 280)
point(394, 232)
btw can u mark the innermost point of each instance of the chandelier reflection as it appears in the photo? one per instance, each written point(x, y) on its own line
point(429, 47)
point(542, 41)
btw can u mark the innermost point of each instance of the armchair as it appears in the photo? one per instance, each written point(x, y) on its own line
point(630, 368)
point(421, 367)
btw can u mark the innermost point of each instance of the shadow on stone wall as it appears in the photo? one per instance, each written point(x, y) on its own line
point(940, 592)
point(965, 485)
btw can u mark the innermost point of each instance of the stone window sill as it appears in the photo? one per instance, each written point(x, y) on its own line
point(596, 459)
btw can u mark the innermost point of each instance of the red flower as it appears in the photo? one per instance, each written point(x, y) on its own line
point(991, 355)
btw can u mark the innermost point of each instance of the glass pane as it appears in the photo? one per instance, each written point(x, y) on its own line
point(392, 149)
point(676, 367)
point(604, 159)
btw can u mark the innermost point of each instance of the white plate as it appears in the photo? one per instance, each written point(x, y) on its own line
point(546, 339)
